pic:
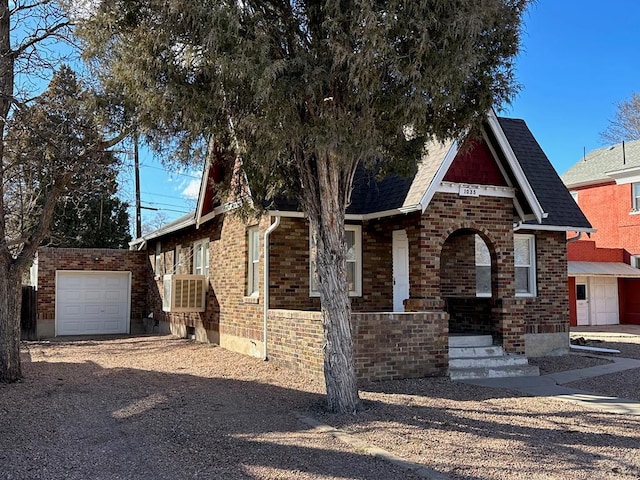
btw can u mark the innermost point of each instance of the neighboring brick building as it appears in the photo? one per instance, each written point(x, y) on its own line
point(604, 279)
point(475, 242)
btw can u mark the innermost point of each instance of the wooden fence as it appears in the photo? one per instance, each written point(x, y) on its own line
point(28, 313)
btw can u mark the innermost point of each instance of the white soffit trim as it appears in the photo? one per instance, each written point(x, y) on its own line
point(599, 269)
point(437, 178)
point(351, 216)
point(523, 183)
point(496, 158)
point(552, 228)
point(201, 194)
point(626, 175)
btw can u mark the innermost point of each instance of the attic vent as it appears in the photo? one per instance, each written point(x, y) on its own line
point(184, 293)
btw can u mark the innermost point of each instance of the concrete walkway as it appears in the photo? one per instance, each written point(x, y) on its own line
point(552, 386)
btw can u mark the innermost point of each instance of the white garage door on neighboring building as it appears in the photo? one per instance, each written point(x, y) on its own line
point(92, 302)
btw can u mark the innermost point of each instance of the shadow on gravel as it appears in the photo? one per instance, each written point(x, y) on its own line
point(554, 441)
point(81, 421)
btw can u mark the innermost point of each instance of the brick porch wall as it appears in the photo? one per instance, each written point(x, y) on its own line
point(387, 346)
point(94, 259)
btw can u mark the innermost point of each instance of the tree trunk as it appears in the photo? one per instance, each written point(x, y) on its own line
point(10, 304)
point(339, 369)
point(331, 186)
point(10, 282)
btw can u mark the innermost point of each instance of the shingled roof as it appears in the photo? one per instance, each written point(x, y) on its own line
point(555, 199)
point(593, 168)
point(530, 172)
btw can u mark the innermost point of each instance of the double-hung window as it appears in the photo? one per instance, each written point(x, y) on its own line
point(635, 200)
point(483, 268)
point(525, 265)
point(176, 260)
point(253, 249)
point(158, 259)
point(353, 239)
point(201, 257)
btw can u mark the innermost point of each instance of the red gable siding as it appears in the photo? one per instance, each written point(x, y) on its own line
point(475, 166)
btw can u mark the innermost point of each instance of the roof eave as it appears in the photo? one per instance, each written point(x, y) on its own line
point(509, 154)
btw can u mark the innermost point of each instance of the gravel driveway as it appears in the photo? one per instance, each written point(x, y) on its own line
point(157, 407)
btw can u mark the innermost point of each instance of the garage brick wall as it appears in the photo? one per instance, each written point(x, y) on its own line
point(82, 259)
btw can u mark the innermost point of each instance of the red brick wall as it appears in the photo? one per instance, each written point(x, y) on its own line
point(386, 345)
point(586, 251)
point(229, 311)
point(608, 209)
point(548, 312)
point(289, 268)
point(491, 217)
point(52, 259)
point(458, 266)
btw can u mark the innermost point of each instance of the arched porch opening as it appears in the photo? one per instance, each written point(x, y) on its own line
point(468, 277)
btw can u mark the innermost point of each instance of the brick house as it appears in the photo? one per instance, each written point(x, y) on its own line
point(474, 242)
point(604, 275)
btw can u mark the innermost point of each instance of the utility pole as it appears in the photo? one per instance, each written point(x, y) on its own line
point(136, 162)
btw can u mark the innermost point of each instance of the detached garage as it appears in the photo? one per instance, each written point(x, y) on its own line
point(92, 303)
point(91, 291)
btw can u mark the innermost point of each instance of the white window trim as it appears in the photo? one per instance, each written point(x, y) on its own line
point(482, 294)
point(158, 259)
point(205, 254)
point(532, 266)
point(253, 235)
point(176, 259)
point(357, 292)
point(635, 199)
point(635, 261)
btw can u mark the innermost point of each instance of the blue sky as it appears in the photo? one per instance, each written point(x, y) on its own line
point(579, 59)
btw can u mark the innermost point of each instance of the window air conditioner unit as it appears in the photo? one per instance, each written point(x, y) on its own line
point(184, 293)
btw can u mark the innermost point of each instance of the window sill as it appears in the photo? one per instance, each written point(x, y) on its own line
point(252, 299)
point(634, 212)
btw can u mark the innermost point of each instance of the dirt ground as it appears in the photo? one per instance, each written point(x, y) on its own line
point(163, 408)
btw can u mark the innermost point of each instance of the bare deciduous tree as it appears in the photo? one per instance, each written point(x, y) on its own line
point(625, 125)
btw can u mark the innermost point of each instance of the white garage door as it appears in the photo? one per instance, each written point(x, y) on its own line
point(92, 302)
point(604, 305)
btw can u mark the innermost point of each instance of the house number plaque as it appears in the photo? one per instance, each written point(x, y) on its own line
point(469, 191)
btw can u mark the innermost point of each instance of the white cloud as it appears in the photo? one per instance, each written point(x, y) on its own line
point(192, 190)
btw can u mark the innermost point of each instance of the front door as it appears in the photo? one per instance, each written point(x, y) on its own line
point(582, 301)
point(400, 269)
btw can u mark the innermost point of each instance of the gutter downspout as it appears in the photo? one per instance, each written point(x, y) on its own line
point(265, 314)
point(573, 239)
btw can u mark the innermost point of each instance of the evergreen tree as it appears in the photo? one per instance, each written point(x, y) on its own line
point(90, 215)
point(305, 91)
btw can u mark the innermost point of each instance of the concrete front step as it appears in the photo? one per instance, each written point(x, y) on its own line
point(475, 356)
point(488, 362)
point(494, 372)
point(463, 340)
point(473, 352)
